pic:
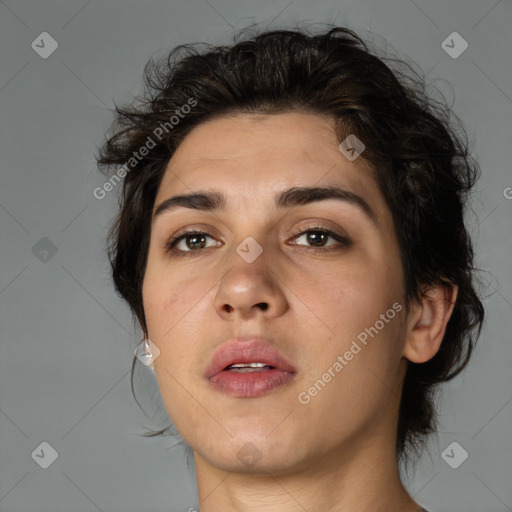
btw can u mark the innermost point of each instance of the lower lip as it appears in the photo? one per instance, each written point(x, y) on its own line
point(251, 384)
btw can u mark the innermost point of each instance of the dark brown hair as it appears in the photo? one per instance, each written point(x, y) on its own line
point(421, 163)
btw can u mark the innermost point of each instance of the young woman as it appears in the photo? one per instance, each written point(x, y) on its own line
point(291, 240)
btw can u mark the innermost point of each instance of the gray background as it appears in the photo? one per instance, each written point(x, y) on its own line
point(67, 340)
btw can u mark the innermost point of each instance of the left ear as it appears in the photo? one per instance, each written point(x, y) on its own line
point(427, 322)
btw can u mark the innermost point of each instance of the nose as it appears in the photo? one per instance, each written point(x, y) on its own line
point(248, 290)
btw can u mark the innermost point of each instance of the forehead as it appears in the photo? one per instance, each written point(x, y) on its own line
point(251, 156)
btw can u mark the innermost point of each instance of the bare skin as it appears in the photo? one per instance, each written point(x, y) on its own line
point(337, 451)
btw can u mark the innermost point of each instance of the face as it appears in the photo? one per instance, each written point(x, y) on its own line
point(319, 279)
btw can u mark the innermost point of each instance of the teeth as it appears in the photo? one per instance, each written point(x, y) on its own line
point(248, 365)
point(246, 370)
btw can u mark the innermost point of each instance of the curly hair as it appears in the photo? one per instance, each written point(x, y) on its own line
point(421, 163)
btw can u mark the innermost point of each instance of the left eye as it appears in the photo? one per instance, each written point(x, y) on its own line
point(319, 237)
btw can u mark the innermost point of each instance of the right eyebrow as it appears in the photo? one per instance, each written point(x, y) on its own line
point(206, 201)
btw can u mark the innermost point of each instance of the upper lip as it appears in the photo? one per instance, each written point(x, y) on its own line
point(246, 350)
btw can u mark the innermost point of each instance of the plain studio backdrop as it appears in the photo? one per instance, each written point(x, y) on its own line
point(67, 340)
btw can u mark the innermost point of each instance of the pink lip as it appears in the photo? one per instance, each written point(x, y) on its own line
point(251, 384)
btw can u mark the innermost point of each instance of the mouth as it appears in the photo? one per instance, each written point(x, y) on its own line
point(248, 369)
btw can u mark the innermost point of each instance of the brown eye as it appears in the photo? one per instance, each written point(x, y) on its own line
point(319, 237)
point(195, 241)
point(191, 241)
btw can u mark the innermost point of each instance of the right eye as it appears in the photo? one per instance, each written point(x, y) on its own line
point(190, 241)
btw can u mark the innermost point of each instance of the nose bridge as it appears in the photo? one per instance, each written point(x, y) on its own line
point(249, 262)
point(250, 250)
point(249, 232)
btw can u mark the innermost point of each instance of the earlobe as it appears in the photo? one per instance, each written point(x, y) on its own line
point(427, 322)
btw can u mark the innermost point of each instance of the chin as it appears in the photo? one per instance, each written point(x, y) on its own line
point(251, 452)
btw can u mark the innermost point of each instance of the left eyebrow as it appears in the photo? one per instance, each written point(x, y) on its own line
point(295, 196)
point(304, 195)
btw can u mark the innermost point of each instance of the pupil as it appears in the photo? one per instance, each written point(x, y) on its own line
point(316, 238)
point(194, 238)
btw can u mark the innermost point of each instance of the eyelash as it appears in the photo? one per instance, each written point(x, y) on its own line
point(342, 240)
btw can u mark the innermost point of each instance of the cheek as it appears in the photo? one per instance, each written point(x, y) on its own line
point(353, 297)
point(351, 383)
point(159, 298)
point(363, 307)
point(175, 307)
point(166, 293)
point(169, 318)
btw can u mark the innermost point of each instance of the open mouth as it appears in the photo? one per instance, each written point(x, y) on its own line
point(248, 367)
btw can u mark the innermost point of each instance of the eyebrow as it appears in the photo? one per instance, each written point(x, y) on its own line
point(295, 196)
